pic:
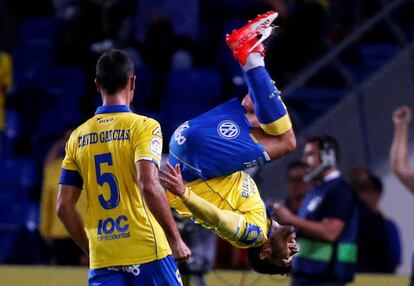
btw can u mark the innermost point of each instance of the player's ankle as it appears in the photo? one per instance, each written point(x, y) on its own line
point(254, 60)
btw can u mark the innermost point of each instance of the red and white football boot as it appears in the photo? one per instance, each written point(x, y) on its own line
point(249, 38)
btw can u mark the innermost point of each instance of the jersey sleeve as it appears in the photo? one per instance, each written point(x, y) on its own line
point(70, 171)
point(69, 160)
point(147, 141)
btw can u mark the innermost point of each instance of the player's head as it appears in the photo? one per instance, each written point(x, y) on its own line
point(263, 266)
point(268, 257)
point(114, 73)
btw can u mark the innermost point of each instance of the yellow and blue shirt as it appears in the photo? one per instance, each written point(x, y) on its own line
point(100, 158)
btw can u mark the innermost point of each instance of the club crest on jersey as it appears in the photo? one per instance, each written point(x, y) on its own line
point(227, 129)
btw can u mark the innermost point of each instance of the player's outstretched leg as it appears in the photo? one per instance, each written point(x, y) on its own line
point(246, 44)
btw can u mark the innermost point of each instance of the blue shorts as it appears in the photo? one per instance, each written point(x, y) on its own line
point(156, 273)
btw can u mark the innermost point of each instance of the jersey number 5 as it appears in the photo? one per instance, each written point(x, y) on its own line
point(107, 178)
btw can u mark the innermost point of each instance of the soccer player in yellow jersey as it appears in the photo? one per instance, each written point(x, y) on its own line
point(128, 229)
point(211, 151)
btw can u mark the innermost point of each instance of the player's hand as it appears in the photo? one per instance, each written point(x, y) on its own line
point(180, 251)
point(172, 180)
point(402, 115)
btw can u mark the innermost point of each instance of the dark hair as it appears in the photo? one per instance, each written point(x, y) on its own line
point(325, 142)
point(372, 184)
point(113, 71)
point(264, 267)
point(376, 183)
point(296, 164)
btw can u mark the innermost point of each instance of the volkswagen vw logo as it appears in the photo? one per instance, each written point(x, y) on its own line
point(228, 129)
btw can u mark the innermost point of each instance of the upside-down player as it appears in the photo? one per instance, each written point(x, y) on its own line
point(210, 151)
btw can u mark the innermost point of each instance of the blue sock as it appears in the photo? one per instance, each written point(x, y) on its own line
point(268, 105)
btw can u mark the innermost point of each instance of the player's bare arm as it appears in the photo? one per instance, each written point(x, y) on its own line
point(276, 146)
point(66, 210)
point(329, 229)
point(156, 201)
point(399, 148)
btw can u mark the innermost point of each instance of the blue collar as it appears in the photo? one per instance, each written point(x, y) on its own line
point(112, 109)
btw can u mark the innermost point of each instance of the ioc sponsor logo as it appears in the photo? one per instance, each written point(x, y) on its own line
point(109, 225)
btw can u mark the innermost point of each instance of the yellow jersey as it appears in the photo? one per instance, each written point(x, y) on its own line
point(6, 73)
point(236, 193)
point(103, 151)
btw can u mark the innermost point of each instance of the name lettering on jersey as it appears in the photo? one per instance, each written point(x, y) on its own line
point(110, 229)
point(90, 138)
point(247, 187)
point(114, 135)
point(103, 137)
point(178, 136)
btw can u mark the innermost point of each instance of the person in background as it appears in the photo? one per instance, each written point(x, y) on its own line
point(379, 242)
point(6, 74)
point(297, 186)
point(327, 222)
point(64, 250)
point(399, 154)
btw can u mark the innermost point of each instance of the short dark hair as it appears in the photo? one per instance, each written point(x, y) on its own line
point(326, 142)
point(296, 164)
point(372, 184)
point(113, 70)
point(376, 183)
point(262, 266)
